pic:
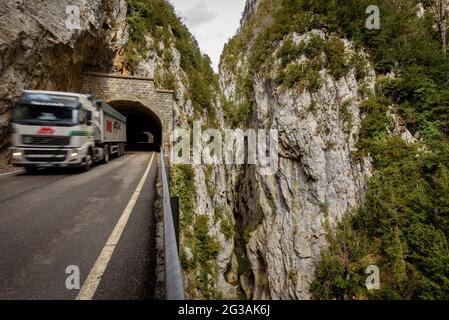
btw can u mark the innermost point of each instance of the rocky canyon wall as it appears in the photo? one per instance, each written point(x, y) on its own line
point(39, 51)
point(284, 217)
point(242, 233)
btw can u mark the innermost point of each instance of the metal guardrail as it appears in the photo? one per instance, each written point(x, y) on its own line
point(174, 278)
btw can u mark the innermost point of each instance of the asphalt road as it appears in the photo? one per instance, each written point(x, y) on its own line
point(55, 219)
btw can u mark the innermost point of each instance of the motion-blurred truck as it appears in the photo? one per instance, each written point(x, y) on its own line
point(61, 129)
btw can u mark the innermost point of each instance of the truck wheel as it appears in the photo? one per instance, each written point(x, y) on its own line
point(89, 161)
point(106, 155)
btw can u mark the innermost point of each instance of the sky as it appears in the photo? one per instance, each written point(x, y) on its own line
point(212, 22)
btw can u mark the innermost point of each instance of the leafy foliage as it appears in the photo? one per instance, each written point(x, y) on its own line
point(182, 185)
point(400, 229)
point(227, 229)
point(206, 247)
point(403, 226)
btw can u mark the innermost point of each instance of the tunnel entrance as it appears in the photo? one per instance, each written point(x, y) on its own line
point(144, 128)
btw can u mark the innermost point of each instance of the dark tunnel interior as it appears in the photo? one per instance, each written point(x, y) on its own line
point(143, 127)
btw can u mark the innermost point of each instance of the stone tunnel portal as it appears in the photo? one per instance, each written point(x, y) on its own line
point(149, 111)
point(144, 128)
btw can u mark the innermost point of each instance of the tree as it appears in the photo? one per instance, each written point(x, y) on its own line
point(439, 9)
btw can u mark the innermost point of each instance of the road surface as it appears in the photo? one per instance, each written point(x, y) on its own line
point(52, 220)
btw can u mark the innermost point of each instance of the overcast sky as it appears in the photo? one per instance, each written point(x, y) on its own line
point(212, 22)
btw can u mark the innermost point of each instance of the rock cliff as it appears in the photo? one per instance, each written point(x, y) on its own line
point(284, 217)
point(38, 50)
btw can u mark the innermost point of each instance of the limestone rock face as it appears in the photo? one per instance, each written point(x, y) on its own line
point(318, 180)
point(40, 49)
point(250, 9)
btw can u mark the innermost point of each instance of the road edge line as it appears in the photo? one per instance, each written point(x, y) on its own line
point(92, 281)
point(11, 173)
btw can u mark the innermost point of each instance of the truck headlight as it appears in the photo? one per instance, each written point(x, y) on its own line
point(73, 155)
point(17, 154)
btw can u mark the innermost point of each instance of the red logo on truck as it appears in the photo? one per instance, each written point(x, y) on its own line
point(46, 131)
point(109, 126)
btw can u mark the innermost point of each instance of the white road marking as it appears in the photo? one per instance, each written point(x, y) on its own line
point(11, 173)
point(96, 273)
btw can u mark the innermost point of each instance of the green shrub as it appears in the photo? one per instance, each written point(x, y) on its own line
point(374, 127)
point(336, 59)
point(206, 247)
point(360, 65)
point(247, 234)
point(167, 57)
point(182, 185)
point(227, 229)
point(167, 80)
point(314, 47)
point(293, 275)
point(187, 264)
point(303, 76)
point(313, 81)
point(293, 75)
point(289, 52)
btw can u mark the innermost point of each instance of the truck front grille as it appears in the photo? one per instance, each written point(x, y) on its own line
point(46, 155)
point(44, 140)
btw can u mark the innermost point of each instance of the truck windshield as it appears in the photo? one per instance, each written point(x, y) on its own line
point(44, 115)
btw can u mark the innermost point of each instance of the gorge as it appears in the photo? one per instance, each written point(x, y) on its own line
point(362, 173)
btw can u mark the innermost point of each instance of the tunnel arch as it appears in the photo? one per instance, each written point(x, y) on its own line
point(137, 98)
point(139, 118)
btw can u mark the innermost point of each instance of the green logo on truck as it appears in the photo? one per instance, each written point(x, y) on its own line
point(79, 133)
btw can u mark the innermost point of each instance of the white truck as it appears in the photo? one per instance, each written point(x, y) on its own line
point(61, 129)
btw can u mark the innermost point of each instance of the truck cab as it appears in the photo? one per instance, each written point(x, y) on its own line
point(54, 129)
